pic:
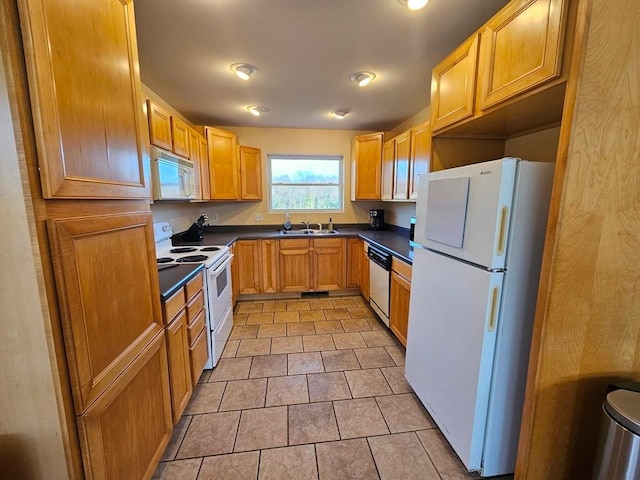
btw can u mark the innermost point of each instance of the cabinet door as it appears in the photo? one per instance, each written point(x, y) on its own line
point(354, 252)
point(401, 166)
point(269, 253)
point(180, 137)
point(366, 167)
point(249, 271)
point(294, 258)
point(194, 156)
point(198, 356)
point(179, 365)
point(521, 49)
point(250, 173)
point(420, 156)
point(205, 184)
point(364, 271)
point(106, 275)
point(159, 126)
point(125, 432)
point(453, 85)
point(328, 264)
point(399, 307)
point(222, 148)
point(388, 158)
point(234, 273)
point(88, 115)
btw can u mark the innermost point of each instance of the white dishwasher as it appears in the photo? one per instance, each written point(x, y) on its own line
point(379, 274)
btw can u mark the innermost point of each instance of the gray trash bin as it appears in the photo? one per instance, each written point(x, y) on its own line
point(619, 450)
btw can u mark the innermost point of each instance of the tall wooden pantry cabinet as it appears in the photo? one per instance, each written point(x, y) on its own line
point(79, 129)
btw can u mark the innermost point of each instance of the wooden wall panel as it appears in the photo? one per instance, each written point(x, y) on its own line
point(587, 328)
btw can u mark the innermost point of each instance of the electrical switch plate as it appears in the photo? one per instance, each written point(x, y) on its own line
point(258, 217)
point(214, 218)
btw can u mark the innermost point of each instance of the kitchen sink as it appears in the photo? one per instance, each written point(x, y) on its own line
point(308, 231)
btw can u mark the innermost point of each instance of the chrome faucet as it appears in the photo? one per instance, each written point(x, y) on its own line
point(320, 226)
point(306, 225)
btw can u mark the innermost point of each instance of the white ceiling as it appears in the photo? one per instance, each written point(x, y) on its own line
point(305, 51)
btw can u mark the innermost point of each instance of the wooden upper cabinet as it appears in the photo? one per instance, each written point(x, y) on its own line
point(420, 156)
point(250, 173)
point(195, 157)
point(388, 160)
point(521, 49)
point(180, 137)
point(401, 166)
point(159, 126)
point(95, 292)
point(366, 167)
point(205, 185)
point(87, 114)
point(223, 164)
point(328, 264)
point(453, 85)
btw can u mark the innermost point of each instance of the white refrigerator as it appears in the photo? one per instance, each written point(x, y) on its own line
point(480, 233)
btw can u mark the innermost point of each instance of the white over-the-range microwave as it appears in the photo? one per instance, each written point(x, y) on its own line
point(174, 177)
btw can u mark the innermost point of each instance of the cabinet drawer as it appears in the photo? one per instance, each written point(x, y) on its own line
point(194, 306)
point(194, 285)
point(327, 242)
point(195, 327)
point(173, 305)
point(198, 354)
point(401, 268)
point(294, 243)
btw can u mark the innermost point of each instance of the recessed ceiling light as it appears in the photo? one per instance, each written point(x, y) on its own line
point(340, 113)
point(255, 110)
point(362, 78)
point(413, 4)
point(243, 70)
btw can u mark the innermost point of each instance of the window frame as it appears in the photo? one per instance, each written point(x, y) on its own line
point(288, 156)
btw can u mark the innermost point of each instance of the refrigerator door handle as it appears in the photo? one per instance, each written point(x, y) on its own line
point(494, 308)
point(502, 234)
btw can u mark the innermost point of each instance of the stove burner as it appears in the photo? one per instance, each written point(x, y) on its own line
point(192, 258)
point(210, 249)
point(183, 250)
point(164, 260)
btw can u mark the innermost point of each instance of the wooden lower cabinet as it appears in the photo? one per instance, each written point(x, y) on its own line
point(364, 271)
point(328, 264)
point(294, 261)
point(249, 270)
point(124, 433)
point(235, 290)
point(179, 365)
point(269, 257)
point(354, 252)
point(399, 299)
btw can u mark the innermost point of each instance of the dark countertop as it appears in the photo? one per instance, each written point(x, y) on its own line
point(394, 239)
point(171, 279)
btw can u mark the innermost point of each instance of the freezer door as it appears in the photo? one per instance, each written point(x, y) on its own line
point(464, 212)
point(453, 320)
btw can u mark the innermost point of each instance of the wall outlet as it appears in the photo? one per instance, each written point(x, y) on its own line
point(213, 218)
point(258, 217)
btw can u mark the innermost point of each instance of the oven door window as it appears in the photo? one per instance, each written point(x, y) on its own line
point(221, 282)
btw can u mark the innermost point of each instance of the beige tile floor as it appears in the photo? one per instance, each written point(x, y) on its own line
point(308, 389)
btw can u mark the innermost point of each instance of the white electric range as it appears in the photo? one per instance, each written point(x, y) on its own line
point(217, 264)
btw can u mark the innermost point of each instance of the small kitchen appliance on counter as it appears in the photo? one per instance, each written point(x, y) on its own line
point(217, 264)
point(376, 219)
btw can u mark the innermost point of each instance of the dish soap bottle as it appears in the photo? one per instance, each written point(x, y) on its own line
point(287, 222)
point(330, 226)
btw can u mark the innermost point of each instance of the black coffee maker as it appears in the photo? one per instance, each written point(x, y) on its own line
point(376, 219)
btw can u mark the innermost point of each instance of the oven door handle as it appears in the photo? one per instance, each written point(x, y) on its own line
point(223, 265)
